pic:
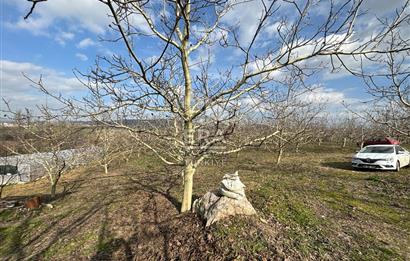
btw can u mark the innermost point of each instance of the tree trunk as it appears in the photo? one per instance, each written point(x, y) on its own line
point(189, 172)
point(362, 139)
point(279, 158)
point(1, 186)
point(188, 116)
point(106, 168)
point(344, 142)
point(53, 189)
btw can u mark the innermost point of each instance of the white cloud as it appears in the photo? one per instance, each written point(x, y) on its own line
point(267, 63)
point(335, 102)
point(382, 7)
point(73, 15)
point(245, 15)
point(89, 15)
point(322, 95)
point(17, 89)
point(62, 37)
point(81, 56)
point(87, 42)
point(271, 30)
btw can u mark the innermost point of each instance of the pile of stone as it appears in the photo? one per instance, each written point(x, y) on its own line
point(228, 200)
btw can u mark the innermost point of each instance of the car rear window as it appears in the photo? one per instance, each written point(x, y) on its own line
point(378, 149)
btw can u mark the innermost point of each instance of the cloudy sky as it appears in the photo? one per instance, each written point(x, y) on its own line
point(63, 35)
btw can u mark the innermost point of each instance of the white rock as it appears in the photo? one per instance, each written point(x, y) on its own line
point(228, 200)
point(230, 194)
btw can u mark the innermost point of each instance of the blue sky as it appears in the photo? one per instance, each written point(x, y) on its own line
point(65, 34)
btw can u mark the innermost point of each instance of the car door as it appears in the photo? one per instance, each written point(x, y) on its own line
point(407, 156)
point(403, 156)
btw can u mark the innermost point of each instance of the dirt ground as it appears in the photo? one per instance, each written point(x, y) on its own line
point(313, 206)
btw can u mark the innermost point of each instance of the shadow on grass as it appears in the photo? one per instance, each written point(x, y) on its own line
point(68, 188)
point(347, 166)
point(44, 234)
point(338, 165)
point(158, 184)
point(15, 237)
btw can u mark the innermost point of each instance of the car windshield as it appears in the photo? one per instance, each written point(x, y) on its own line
point(378, 149)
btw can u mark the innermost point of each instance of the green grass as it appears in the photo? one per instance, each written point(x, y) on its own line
point(312, 206)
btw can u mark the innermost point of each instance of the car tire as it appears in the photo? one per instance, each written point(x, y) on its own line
point(397, 166)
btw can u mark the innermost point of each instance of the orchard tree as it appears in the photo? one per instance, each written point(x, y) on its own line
point(112, 145)
point(189, 99)
point(291, 109)
point(390, 89)
point(386, 76)
point(48, 137)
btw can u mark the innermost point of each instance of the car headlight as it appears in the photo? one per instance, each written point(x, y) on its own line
point(389, 159)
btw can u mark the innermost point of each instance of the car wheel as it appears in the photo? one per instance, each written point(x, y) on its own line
point(397, 166)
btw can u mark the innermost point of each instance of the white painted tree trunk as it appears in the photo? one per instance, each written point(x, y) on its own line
point(106, 168)
point(189, 172)
point(279, 158)
point(53, 189)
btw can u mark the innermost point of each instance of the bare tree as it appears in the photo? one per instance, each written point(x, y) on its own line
point(292, 111)
point(48, 138)
point(386, 76)
point(183, 105)
point(348, 130)
point(111, 146)
point(391, 104)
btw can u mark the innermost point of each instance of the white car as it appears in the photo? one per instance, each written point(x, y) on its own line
point(383, 157)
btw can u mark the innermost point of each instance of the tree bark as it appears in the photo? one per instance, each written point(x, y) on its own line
point(53, 189)
point(106, 168)
point(279, 158)
point(189, 172)
point(188, 121)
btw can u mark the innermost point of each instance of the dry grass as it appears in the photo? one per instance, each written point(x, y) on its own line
point(313, 206)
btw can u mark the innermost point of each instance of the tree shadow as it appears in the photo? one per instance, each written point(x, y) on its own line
point(161, 184)
point(347, 166)
point(338, 165)
point(155, 238)
point(16, 234)
point(45, 198)
point(107, 246)
point(20, 245)
point(153, 230)
point(66, 230)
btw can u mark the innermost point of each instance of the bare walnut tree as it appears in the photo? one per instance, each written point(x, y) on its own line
point(111, 146)
point(182, 101)
point(386, 76)
point(292, 111)
point(391, 91)
point(49, 139)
